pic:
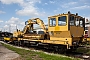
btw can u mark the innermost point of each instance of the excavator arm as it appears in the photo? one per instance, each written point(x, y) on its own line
point(29, 26)
point(39, 22)
point(26, 28)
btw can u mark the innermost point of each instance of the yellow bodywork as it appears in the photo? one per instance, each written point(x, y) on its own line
point(10, 39)
point(7, 38)
point(88, 39)
point(67, 34)
point(29, 27)
point(33, 36)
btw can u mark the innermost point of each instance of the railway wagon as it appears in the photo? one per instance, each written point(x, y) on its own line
point(65, 31)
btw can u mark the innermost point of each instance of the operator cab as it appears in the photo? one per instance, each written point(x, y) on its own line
point(76, 20)
point(66, 22)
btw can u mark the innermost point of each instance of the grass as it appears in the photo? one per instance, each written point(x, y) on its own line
point(84, 50)
point(32, 55)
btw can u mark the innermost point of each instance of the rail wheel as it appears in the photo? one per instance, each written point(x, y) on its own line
point(22, 43)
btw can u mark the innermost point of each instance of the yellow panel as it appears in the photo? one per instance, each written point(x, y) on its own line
point(58, 28)
point(76, 31)
point(88, 39)
point(6, 38)
point(63, 41)
point(64, 34)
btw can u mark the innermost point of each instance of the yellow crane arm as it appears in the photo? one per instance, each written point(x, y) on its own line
point(25, 30)
point(27, 27)
point(39, 22)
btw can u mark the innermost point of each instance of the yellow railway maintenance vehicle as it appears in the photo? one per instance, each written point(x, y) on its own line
point(65, 31)
point(6, 36)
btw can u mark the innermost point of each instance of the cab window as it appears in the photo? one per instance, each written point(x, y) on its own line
point(62, 20)
point(72, 20)
point(76, 21)
point(81, 23)
point(52, 21)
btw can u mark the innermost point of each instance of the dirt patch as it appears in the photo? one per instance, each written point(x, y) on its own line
point(6, 54)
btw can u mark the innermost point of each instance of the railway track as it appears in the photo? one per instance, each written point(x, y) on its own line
point(74, 54)
point(78, 55)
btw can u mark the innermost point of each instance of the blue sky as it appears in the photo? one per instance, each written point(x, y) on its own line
point(16, 12)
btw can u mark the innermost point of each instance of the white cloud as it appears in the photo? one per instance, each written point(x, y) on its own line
point(57, 10)
point(81, 7)
point(11, 1)
point(39, 1)
point(6, 26)
point(1, 24)
point(85, 1)
point(52, 1)
point(28, 11)
point(67, 5)
point(28, 7)
point(46, 3)
point(1, 21)
point(13, 22)
point(72, 3)
point(1, 12)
